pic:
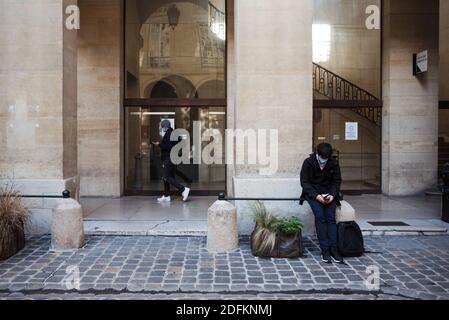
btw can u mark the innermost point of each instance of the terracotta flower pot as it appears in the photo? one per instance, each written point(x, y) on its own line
point(13, 243)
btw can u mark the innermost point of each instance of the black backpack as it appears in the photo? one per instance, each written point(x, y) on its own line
point(350, 239)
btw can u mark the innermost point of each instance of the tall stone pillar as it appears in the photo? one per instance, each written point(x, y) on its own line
point(272, 68)
point(444, 54)
point(38, 80)
point(410, 120)
point(100, 110)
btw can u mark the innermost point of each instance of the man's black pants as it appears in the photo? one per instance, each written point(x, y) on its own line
point(168, 176)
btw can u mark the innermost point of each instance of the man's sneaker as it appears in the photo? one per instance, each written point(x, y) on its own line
point(326, 257)
point(164, 199)
point(185, 194)
point(336, 257)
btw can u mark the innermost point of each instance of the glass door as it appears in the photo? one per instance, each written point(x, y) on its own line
point(201, 170)
point(355, 135)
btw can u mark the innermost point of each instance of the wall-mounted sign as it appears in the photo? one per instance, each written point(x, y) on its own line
point(352, 131)
point(420, 62)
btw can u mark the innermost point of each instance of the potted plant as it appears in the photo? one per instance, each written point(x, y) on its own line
point(263, 238)
point(13, 218)
point(275, 237)
point(290, 238)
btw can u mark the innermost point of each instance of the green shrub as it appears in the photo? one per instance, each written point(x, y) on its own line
point(289, 226)
point(268, 226)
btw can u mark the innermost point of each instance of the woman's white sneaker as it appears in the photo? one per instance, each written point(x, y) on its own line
point(185, 194)
point(164, 199)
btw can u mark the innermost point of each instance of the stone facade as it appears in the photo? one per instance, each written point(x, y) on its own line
point(410, 121)
point(99, 98)
point(444, 52)
point(61, 112)
point(283, 64)
point(38, 92)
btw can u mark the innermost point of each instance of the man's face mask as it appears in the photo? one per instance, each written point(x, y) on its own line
point(322, 161)
point(163, 131)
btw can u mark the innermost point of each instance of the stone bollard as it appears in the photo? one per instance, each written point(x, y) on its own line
point(67, 231)
point(345, 213)
point(222, 234)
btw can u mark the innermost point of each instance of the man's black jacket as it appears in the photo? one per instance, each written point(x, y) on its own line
point(315, 181)
point(166, 144)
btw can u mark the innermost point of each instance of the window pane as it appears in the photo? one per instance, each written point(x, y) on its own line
point(143, 160)
point(343, 44)
point(175, 49)
point(359, 158)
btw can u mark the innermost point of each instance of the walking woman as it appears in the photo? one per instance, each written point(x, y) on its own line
point(168, 167)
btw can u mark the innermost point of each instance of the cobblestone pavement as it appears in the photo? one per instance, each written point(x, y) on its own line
point(115, 267)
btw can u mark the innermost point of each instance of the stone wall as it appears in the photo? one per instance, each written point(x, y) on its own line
point(410, 120)
point(444, 67)
point(273, 90)
point(37, 135)
point(99, 98)
point(38, 132)
point(444, 51)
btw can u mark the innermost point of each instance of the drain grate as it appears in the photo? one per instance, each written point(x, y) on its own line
point(388, 224)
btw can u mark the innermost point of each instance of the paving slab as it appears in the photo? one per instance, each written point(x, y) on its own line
point(135, 267)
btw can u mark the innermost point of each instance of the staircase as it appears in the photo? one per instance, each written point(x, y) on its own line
point(331, 86)
point(443, 154)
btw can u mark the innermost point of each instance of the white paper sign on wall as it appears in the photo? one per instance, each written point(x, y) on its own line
point(352, 131)
point(420, 64)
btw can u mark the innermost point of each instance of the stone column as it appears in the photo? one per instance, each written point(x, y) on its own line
point(444, 53)
point(38, 134)
point(99, 94)
point(410, 116)
point(273, 90)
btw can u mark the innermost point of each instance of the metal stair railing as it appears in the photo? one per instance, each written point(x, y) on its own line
point(335, 87)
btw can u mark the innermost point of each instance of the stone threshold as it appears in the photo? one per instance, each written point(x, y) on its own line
point(147, 228)
point(416, 227)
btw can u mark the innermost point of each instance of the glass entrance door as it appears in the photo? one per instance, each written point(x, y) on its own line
point(355, 134)
point(143, 164)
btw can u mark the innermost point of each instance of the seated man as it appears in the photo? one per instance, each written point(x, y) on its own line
point(321, 180)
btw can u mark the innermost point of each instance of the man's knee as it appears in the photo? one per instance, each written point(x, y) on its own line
point(330, 214)
point(320, 219)
point(319, 215)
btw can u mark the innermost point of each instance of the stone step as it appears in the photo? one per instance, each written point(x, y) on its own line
point(416, 227)
point(146, 228)
point(433, 193)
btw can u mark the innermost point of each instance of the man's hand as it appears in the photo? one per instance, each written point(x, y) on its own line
point(320, 199)
point(329, 199)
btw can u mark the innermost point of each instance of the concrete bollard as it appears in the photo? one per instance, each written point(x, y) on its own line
point(222, 234)
point(67, 231)
point(345, 213)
